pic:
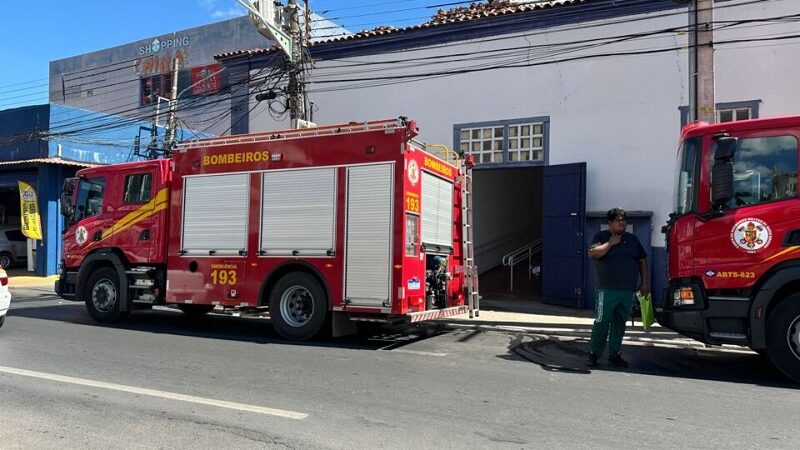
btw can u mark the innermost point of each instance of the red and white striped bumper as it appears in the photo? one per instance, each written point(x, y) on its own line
point(435, 314)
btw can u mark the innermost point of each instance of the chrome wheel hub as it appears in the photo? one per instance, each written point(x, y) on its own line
point(793, 337)
point(297, 306)
point(104, 295)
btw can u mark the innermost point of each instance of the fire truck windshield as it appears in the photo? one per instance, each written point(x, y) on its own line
point(685, 199)
point(764, 169)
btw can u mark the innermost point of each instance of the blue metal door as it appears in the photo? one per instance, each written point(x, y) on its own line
point(563, 224)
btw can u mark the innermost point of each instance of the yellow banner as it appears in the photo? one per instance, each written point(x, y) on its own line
point(31, 223)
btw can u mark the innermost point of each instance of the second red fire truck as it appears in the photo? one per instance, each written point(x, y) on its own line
point(733, 239)
point(321, 227)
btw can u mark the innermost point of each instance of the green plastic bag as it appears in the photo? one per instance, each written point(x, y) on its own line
point(646, 309)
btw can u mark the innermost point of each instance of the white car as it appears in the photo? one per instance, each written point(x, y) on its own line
point(5, 296)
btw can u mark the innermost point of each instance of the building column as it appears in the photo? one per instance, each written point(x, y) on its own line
point(48, 251)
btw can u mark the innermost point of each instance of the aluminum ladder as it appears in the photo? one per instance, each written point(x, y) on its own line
point(468, 247)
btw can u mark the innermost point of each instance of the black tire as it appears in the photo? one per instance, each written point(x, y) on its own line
point(102, 296)
point(783, 337)
point(6, 260)
point(195, 311)
point(298, 307)
point(2, 320)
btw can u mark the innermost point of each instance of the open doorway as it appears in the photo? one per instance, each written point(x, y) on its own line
point(13, 245)
point(529, 227)
point(9, 206)
point(508, 231)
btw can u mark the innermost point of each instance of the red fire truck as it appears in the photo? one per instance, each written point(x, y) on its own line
point(322, 228)
point(733, 240)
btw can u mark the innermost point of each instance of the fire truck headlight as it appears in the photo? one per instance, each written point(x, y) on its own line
point(683, 297)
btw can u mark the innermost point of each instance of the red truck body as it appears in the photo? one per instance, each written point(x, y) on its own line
point(733, 241)
point(356, 220)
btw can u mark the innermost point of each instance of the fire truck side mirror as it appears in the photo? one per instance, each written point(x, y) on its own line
point(67, 208)
point(726, 148)
point(722, 172)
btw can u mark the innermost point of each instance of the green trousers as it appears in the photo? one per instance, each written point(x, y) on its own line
point(611, 310)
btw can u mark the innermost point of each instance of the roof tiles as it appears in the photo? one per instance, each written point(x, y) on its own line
point(475, 11)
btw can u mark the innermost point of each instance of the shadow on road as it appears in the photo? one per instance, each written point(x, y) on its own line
point(218, 326)
point(690, 363)
point(551, 354)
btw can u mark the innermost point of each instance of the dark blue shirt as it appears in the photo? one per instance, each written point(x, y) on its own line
point(619, 267)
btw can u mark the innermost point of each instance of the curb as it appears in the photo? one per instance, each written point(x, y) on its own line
point(685, 343)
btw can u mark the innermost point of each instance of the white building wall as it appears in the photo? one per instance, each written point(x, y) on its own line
point(759, 70)
point(618, 114)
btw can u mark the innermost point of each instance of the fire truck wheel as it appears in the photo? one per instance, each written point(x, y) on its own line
point(102, 296)
point(298, 306)
point(783, 336)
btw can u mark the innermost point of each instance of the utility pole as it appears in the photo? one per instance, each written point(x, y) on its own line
point(702, 105)
point(171, 131)
point(297, 103)
point(287, 35)
point(173, 110)
point(307, 37)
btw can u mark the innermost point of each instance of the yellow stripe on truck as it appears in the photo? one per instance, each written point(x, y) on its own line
point(153, 206)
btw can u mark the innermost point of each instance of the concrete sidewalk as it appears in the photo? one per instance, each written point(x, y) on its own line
point(536, 318)
point(22, 281)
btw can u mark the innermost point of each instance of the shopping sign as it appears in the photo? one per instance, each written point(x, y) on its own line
point(31, 222)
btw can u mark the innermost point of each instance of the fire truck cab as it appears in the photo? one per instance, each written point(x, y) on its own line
point(733, 239)
point(319, 228)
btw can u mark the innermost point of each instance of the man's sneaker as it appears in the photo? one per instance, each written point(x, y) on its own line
point(591, 360)
point(617, 361)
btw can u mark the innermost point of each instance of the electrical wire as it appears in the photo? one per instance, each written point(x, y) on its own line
point(485, 67)
point(123, 63)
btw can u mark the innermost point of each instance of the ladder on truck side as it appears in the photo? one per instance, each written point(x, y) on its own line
point(468, 247)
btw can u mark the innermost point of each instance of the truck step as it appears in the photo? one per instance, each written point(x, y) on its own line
point(728, 336)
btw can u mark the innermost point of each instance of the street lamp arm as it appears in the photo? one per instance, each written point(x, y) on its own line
point(170, 100)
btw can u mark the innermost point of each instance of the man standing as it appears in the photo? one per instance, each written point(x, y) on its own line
point(620, 267)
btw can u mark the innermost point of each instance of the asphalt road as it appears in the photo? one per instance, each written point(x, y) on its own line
point(159, 380)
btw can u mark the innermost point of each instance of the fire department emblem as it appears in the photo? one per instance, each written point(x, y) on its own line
point(413, 172)
point(81, 235)
point(751, 235)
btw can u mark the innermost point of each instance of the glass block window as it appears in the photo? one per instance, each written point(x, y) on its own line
point(526, 142)
point(485, 144)
point(511, 141)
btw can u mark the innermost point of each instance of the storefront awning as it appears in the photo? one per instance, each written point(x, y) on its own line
point(29, 162)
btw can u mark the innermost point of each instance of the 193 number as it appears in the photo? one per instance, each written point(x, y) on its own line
point(412, 204)
point(223, 276)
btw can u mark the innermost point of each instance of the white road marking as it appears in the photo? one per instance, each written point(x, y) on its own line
point(413, 352)
point(155, 393)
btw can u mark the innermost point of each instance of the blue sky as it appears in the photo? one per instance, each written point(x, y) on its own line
point(36, 32)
